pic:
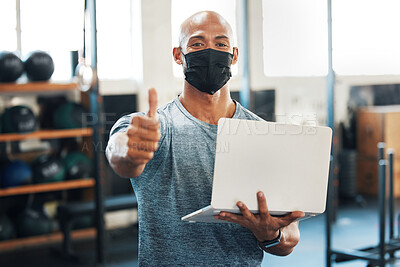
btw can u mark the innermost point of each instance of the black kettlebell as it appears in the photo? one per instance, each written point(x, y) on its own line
point(11, 67)
point(39, 66)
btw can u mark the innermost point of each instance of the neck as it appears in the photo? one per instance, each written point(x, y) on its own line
point(206, 107)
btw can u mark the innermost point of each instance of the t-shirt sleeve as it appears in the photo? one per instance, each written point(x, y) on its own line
point(122, 124)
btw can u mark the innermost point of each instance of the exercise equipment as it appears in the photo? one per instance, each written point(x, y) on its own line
point(47, 107)
point(11, 67)
point(7, 230)
point(68, 213)
point(70, 115)
point(77, 165)
point(47, 169)
point(31, 222)
point(86, 77)
point(18, 119)
point(39, 66)
point(16, 173)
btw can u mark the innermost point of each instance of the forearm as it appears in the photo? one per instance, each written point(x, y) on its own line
point(289, 239)
point(116, 153)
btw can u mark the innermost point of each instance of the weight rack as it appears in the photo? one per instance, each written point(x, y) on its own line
point(385, 250)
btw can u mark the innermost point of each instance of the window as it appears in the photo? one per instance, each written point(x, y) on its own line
point(8, 25)
point(295, 37)
point(365, 37)
point(119, 39)
point(182, 9)
point(55, 27)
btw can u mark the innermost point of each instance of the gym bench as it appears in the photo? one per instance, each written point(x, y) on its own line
point(69, 212)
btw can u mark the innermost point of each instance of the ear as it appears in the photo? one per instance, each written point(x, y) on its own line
point(176, 52)
point(235, 55)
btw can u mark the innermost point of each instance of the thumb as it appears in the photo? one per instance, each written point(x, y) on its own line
point(153, 102)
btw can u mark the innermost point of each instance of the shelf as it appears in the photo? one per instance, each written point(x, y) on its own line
point(47, 187)
point(35, 241)
point(46, 134)
point(36, 87)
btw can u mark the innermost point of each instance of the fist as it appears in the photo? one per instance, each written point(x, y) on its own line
point(144, 133)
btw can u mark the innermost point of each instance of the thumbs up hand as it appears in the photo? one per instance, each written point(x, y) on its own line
point(153, 102)
point(144, 134)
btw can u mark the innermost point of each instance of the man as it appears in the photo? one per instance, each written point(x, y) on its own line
point(169, 154)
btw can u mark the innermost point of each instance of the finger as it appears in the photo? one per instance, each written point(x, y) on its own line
point(143, 145)
point(245, 211)
point(144, 134)
point(262, 205)
point(138, 155)
point(153, 102)
point(298, 214)
point(290, 218)
point(230, 217)
point(145, 122)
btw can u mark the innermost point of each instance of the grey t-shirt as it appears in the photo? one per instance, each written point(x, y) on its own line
point(178, 181)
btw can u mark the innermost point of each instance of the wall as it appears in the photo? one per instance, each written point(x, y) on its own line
point(294, 95)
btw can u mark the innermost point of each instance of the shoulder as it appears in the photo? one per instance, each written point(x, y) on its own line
point(244, 113)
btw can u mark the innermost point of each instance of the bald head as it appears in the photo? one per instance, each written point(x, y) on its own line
point(203, 24)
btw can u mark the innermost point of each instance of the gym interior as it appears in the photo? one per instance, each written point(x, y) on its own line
point(70, 69)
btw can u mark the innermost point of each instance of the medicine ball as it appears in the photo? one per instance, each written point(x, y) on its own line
point(16, 173)
point(47, 108)
point(77, 165)
point(47, 169)
point(18, 119)
point(69, 116)
point(7, 230)
point(31, 222)
point(11, 67)
point(39, 66)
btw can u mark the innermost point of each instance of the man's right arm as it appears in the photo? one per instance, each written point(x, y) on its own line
point(128, 152)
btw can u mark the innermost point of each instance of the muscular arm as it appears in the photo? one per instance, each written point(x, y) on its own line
point(116, 153)
point(289, 239)
point(128, 152)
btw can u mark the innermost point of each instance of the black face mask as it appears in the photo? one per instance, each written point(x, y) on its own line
point(208, 70)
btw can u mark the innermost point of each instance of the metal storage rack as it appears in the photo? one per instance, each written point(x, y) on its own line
point(87, 182)
point(383, 253)
point(97, 156)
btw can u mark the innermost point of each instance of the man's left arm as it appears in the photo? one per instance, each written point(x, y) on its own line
point(266, 227)
point(289, 239)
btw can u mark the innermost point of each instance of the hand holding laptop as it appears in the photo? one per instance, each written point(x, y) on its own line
point(288, 163)
point(263, 225)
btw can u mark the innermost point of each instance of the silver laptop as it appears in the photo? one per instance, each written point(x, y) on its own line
point(289, 163)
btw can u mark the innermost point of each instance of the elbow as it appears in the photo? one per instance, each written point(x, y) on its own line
point(285, 252)
point(282, 251)
point(123, 166)
point(291, 243)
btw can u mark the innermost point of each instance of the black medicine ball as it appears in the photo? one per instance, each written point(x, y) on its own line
point(47, 169)
point(31, 222)
point(77, 165)
point(11, 67)
point(69, 116)
point(39, 66)
point(18, 119)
